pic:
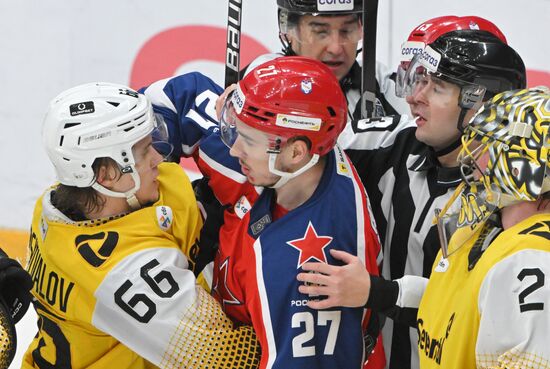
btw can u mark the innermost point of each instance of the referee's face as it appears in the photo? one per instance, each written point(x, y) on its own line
point(434, 104)
point(332, 40)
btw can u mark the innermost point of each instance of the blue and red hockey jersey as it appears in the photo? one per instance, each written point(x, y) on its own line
point(256, 266)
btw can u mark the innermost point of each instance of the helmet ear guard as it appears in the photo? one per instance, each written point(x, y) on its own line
point(471, 96)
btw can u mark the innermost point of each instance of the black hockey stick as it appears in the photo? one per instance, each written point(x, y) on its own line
point(233, 46)
point(368, 71)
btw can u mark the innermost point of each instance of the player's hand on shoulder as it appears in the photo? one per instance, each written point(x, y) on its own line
point(347, 285)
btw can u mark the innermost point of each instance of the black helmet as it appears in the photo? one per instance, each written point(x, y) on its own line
point(477, 61)
point(480, 58)
point(321, 6)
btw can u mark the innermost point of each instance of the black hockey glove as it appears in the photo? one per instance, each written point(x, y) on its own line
point(15, 284)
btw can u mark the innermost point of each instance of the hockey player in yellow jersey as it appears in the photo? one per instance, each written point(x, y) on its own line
point(486, 303)
point(113, 246)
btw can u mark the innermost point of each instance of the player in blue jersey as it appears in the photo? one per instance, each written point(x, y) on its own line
point(291, 196)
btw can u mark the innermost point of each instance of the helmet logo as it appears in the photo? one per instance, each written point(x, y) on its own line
point(410, 48)
point(238, 99)
point(430, 59)
point(423, 27)
point(334, 5)
point(473, 25)
point(86, 107)
point(297, 122)
point(306, 86)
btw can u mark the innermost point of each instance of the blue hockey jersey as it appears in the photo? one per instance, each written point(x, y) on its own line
point(256, 266)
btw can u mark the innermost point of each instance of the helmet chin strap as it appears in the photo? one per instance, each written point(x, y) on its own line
point(286, 176)
point(130, 195)
point(458, 142)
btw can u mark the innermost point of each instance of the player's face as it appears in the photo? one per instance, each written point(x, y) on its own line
point(331, 40)
point(147, 161)
point(250, 148)
point(434, 103)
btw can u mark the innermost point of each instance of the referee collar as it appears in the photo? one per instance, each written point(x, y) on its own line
point(427, 160)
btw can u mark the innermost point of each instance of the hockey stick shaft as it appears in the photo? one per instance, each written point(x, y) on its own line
point(368, 73)
point(233, 45)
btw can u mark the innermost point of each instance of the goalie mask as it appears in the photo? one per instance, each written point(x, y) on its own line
point(100, 120)
point(504, 159)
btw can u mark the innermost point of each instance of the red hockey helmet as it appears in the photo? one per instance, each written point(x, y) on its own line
point(285, 98)
point(430, 30)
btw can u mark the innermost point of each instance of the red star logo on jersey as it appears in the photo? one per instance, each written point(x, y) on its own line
point(225, 294)
point(311, 246)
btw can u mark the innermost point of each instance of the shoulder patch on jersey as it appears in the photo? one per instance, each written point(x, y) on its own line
point(442, 265)
point(43, 228)
point(164, 217)
point(242, 207)
point(342, 167)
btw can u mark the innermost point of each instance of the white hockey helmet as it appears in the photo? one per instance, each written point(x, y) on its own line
point(97, 120)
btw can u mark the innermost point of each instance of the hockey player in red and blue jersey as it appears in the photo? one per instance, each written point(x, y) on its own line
point(291, 196)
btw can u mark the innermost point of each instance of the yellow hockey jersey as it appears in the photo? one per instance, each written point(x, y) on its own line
point(495, 315)
point(119, 293)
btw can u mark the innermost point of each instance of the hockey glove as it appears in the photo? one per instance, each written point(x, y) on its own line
point(15, 284)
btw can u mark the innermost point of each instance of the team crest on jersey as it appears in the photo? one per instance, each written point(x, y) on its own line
point(311, 246)
point(242, 207)
point(306, 86)
point(164, 217)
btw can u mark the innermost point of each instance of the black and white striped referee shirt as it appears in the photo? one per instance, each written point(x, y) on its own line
point(405, 183)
